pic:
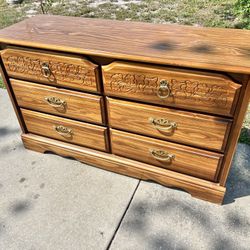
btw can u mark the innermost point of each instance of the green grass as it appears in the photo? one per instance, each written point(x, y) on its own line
point(1, 83)
point(208, 13)
point(212, 13)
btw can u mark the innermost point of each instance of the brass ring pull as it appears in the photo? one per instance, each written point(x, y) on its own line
point(164, 91)
point(162, 155)
point(46, 72)
point(63, 131)
point(55, 102)
point(162, 124)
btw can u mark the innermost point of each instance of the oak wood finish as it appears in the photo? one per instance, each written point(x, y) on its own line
point(168, 44)
point(235, 131)
point(81, 106)
point(12, 97)
point(199, 188)
point(54, 69)
point(195, 162)
point(202, 91)
point(83, 134)
point(191, 128)
point(195, 79)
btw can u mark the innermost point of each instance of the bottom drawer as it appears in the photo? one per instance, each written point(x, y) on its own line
point(187, 160)
point(63, 129)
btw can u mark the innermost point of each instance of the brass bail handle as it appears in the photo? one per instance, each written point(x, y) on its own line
point(46, 72)
point(164, 90)
point(63, 131)
point(162, 155)
point(163, 124)
point(55, 102)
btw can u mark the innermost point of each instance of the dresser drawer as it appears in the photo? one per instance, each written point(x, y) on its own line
point(194, 90)
point(184, 127)
point(57, 101)
point(75, 132)
point(54, 69)
point(187, 160)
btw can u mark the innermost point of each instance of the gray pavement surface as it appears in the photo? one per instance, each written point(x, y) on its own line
point(50, 202)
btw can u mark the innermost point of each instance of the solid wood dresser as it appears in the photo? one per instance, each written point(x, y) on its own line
point(156, 102)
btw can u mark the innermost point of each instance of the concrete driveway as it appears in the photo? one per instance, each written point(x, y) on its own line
point(49, 202)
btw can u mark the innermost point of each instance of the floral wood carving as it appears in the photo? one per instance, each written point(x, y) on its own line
point(186, 89)
point(60, 71)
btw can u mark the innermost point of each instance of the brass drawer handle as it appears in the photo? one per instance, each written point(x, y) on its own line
point(55, 102)
point(163, 124)
point(162, 155)
point(63, 131)
point(46, 72)
point(164, 90)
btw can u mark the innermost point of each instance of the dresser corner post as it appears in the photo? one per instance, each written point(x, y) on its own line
point(12, 96)
point(234, 135)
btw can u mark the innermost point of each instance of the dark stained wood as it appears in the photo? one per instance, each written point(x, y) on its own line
point(187, 160)
point(75, 132)
point(81, 106)
point(195, 90)
point(199, 188)
point(168, 44)
point(205, 131)
point(60, 70)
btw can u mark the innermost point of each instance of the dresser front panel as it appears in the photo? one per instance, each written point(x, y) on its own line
point(67, 103)
point(75, 132)
point(179, 158)
point(190, 128)
point(187, 89)
point(51, 68)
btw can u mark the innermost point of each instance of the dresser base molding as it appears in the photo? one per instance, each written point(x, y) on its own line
point(198, 188)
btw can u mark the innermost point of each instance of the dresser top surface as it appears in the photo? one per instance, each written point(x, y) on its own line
point(167, 44)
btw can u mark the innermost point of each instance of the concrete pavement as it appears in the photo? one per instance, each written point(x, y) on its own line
point(49, 202)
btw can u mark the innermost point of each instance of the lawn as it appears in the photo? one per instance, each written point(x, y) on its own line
point(219, 13)
point(208, 13)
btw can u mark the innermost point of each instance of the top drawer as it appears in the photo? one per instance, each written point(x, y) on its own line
point(195, 90)
point(51, 68)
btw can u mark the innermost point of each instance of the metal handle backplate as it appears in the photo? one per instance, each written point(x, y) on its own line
point(55, 102)
point(46, 72)
point(163, 124)
point(162, 155)
point(63, 131)
point(164, 90)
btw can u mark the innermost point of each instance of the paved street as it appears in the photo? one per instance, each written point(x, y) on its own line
point(50, 202)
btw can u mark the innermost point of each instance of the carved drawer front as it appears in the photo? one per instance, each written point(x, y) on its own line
point(184, 159)
point(75, 132)
point(202, 91)
point(62, 102)
point(174, 125)
point(60, 70)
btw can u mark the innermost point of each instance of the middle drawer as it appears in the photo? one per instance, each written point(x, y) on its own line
point(80, 133)
point(62, 102)
point(190, 128)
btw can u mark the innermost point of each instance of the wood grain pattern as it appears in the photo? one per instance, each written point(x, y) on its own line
point(195, 162)
point(63, 70)
point(199, 188)
point(167, 44)
point(5, 79)
point(193, 129)
point(235, 131)
point(202, 91)
point(81, 106)
point(83, 134)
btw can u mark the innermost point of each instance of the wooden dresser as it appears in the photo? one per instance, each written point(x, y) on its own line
point(156, 102)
